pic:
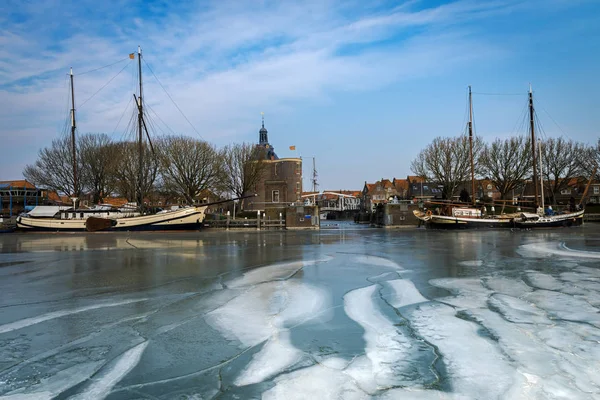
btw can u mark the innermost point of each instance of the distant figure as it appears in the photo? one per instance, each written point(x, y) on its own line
point(464, 196)
point(572, 207)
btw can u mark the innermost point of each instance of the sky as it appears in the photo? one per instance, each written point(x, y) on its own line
point(361, 86)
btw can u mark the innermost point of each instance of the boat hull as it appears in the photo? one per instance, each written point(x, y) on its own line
point(445, 222)
point(184, 219)
point(555, 221)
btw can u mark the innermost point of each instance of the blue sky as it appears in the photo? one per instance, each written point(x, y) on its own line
point(362, 86)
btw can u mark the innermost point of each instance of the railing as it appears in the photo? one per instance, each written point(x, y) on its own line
point(244, 223)
point(591, 217)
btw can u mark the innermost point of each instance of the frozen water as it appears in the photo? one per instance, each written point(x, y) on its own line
point(377, 261)
point(329, 324)
point(385, 347)
point(517, 310)
point(101, 385)
point(405, 293)
point(57, 314)
point(471, 263)
point(475, 365)
point(276, 355)
point(256, 314)
point(543, 281)
point(52, 386)
point(510, 287)
point(551, 249)
point(316, 382)
point(272, 272)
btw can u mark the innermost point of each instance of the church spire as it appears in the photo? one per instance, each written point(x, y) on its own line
point(263, 138)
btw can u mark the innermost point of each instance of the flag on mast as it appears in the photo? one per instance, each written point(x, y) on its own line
point(292, 147)
point(132, 55)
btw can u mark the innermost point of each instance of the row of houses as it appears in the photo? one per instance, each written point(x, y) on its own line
point(415, 187)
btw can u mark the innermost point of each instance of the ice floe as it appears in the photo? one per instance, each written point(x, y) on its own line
point(386, 348)
point(471, 263)
point(273, 272)
point(405, 293)
point(101, 385)
point(277, 354)
point(510, 287)
point(376, 261)
point(316, 382)
point(57, 314)
point(550, 249)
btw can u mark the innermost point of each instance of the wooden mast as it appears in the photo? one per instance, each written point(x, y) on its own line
point(73, 144)
point(471, 146)
point(140, 133)
point(533, 149)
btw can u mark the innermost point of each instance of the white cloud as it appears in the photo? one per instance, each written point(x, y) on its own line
point(222, 62)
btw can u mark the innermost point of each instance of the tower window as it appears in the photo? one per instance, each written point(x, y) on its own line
point(275, 196)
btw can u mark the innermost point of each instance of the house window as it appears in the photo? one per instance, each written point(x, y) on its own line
point(596, 189)
point(489, 187)
point(565, 191)
point(275, 196)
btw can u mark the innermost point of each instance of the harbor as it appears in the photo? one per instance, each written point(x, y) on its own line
point(348, 312)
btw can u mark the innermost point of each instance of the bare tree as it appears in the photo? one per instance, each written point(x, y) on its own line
point(126, 170)
point(591, 162)
point(242, 167)
point(560, 164)
point(447, 162)
point(54, 168)
point(188, 166)
point(506, 163)
point(99, 163)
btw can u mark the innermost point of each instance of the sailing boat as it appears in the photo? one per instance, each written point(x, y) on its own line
point(57, 218)
point(462, 216)
point(471, 218)
point(540, 219)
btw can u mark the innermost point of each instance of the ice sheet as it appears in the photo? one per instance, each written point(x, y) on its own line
point(551, 249)
point(469, 292)
point(471, 263)
point(385, 348)
point(510, 287)
point(518, 311)
point(57, 314)
point(543, 281)
point(475, 365)
point(316, 382)
point(101, 386)
point(256, 314)
point(405, 293)
point(377, 261)
point(273, 272)
point(276, 355)
point(50, 387)
point(564, 306)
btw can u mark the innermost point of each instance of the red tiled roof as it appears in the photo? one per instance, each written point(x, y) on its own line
point(19, 184)
point(415, 179)
point(115, 201)
point(54, 197)
point(401, 184)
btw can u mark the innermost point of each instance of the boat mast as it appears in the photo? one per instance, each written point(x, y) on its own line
point(533, 149)
point(73, 146)
point(140, 132)
point(471, 145)
point(541, 173)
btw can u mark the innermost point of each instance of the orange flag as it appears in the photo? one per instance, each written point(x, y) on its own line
point(292, 147)
point(132, 55)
